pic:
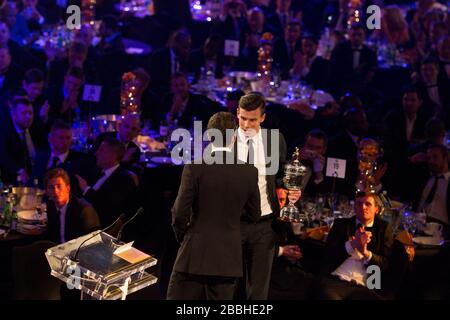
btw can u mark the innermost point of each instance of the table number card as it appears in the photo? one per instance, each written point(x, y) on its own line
point(92, 93)
point(336, 168)
point(231, 48)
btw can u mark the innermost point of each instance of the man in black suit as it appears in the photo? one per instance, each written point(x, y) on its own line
point(282, 16)
point(232, 22)
point(209, 57)
point(353, 62)
point(345, 146)
point(114, 192)
point(435, 197)
point(61, 155)
point(286, 48)
point(17, 147)
point(10, 73)
point(68, 216)
point(65, 99)
point(167, 61)
point(402, 128)
point(206, 219)
point(129, 128)
point(434, 89)
point(352, 245)
point(183, 105)
point(266, 149)
point(315, 70)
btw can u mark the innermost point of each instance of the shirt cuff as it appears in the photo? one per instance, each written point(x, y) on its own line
point(349, 248)
point(86, 190)
point(366, 260)
point(280, 251)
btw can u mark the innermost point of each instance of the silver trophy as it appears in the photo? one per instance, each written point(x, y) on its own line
point(295, 178)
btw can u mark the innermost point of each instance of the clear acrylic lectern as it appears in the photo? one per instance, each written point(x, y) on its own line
point(104, 270)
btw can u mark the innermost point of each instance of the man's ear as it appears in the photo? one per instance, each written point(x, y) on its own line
point(263, 117)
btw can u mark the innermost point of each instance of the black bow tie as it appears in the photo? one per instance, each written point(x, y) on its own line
point(357, 49)
point(365, 228)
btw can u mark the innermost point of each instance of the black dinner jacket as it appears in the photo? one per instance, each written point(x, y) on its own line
point(12, 151)
point(342, 231)
point(80, 219)
point(116, 196)
point(206, 216)
point(75, 163)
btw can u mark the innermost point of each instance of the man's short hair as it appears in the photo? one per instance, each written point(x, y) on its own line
point(434, 128)
point(357, 25)
point(111, 22)
point(19, 100)
point(177, 75)
point(235, 95)
point(412, 89)
point(443, 149)
point(311, 37)
point(34, 75)
point(222, 121)
point(56, 173)
point(60, 125)
point(253, 101)
point(431, 60)
point(76, 72)
point(116, 146)
point(318, 134)
point(294, 23)
point(374, 196)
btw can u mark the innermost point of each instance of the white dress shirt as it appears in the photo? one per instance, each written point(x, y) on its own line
point(28, 141)
point(108, 173)
point(101, 181)
point(356, 57)
point(260, 164)
point(62, 222)
point(433, 92)
point(410, 126)
point(353, 268)
point(437, 209)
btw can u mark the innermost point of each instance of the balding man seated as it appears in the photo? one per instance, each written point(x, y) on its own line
point(114, 191)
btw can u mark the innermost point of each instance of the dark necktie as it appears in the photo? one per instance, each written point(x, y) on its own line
point(55, 161)
point(28, 162)
point(61, 227)
point(251, 152)
point(433, 190)
point(284, 20)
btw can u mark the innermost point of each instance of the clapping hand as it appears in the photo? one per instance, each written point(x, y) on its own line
point(292, 253)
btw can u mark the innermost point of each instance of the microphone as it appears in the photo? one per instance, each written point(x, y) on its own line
point(119, 234)
point(75, 256)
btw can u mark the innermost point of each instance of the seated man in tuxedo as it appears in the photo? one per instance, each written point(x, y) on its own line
point(315, 70)
point(68, 216)
point(114, 192)
point(286, 48)
point(65, 100)
point(128, 131)
point(167, 61)
point(435, 193)
point(61, 155)
point(353, 62)
point(313, 155)
point(352, 245)
point(17, 147)
point(183, 105)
